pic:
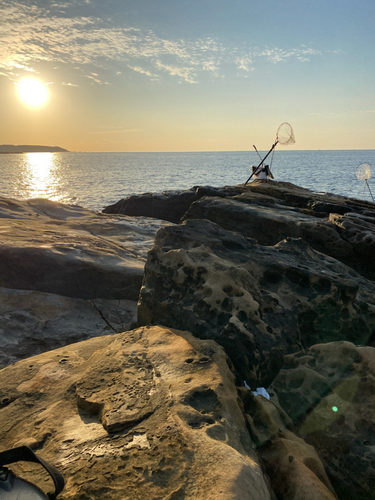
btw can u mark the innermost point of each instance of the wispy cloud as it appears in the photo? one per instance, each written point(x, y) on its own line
point(138, 69)
point(32, 35)
point(277, 55)
point(245, 62)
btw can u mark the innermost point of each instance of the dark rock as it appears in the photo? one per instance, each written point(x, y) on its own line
point(335, 225)
point(168, 205)
point(66, 274)
point(258, 302)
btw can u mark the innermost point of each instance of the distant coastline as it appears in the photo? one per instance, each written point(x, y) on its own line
point(10, 148)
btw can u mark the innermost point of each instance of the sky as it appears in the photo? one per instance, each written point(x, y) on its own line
point(189, 75)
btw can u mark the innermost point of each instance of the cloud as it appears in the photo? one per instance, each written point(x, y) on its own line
point(138, 69)
point(277, 55)
point(100, 50)
point(245, 63)
point(185, 73)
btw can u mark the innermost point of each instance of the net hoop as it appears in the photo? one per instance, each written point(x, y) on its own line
point(285, 134)
point(363, 172)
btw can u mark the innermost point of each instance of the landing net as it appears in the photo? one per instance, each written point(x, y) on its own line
point(285, 134)
point(363, 172)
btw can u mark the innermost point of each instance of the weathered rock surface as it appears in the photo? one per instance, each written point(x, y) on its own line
point(33, 322)
point(329, 392)
point(258, 302)
point(265, 270)
point(66, 274)
point(293, 466)
point(269, 212)
point(70, 251)
point(271, 224)
point(151, 413)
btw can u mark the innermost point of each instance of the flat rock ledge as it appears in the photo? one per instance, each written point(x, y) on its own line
point(66, 274)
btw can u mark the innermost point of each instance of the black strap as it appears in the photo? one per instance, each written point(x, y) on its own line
point(24, 453)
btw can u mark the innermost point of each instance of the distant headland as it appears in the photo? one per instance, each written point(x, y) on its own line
point(10, 148)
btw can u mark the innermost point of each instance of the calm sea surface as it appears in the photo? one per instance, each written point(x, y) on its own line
point(95, 180)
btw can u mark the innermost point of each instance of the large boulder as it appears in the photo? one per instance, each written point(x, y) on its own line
point(328, 391)
point(171, 205)
point(150, 413)
point(258, 302)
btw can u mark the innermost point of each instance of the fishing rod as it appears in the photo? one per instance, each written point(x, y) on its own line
point(257, 151)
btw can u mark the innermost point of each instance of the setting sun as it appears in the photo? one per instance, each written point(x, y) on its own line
point(32, 92)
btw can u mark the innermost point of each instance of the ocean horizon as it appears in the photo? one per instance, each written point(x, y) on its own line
point(95, 180)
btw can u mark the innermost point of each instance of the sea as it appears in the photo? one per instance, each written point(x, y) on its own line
point(96, 180)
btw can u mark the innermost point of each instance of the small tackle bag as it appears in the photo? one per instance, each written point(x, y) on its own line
point(13, 487)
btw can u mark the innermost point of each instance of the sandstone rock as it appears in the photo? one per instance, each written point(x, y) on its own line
point(328, 391)
point(171, 205)
point(71, 251)
point(322, 203)
point(258, 302)
point(33, 322)
point(150, 413)
point(294, 467)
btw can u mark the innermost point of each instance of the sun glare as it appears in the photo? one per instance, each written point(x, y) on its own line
point(32, 92)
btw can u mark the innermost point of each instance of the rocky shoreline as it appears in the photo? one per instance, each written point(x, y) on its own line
point(130, 338)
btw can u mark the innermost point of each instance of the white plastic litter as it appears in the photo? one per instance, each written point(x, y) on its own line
point(261, 391)
point(245, 384)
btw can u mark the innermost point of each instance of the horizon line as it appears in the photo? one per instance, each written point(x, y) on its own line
point(220, 151)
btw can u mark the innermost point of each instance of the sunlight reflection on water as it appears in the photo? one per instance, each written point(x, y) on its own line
point(40, 176)
point(37, 175)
